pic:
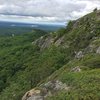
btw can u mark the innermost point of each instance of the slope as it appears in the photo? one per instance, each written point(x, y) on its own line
point(58, 66)
point(79, 78)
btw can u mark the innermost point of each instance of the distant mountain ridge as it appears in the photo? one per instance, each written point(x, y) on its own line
point(47, 27)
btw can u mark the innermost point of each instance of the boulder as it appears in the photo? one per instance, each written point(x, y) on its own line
point(47, 89)
point(35, 97)
point(89, 49)
point(56, 86)
point(33, 92)
point(98, 50)
point(76, 69)
point(79, 55)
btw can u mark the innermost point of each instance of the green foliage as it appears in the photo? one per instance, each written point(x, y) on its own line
point(15, 53)
point(60, 32)
point(84, 86)
point(69, 26)
point(23, 65)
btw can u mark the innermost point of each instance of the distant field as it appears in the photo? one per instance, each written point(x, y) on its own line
point(19, 28)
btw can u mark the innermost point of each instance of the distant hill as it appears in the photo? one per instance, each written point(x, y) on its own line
point(19, 28)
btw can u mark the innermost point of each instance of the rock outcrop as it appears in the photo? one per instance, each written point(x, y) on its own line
point(98, 50)
point(44, 42)
point(76, 69)
point(59, 41)
point(79, 55)
point(33, 92)
point(47, 89)
point(86, 43)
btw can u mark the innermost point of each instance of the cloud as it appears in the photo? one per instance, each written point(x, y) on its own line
point(45, 10)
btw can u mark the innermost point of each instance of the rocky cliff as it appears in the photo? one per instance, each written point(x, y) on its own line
point(79, 78)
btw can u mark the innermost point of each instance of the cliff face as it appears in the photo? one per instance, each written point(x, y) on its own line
point(83, 30)
point(78, 78)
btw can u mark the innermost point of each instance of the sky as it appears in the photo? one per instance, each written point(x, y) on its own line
point(45, 11)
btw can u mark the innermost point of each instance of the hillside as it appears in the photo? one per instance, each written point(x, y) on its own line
point(62, 65)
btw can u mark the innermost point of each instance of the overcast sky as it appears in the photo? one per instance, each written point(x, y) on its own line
point(45, 11)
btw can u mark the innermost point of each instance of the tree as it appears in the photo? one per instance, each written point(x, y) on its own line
point(95, 10)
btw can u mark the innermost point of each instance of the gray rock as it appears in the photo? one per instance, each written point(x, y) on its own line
point(76, 69)
point(59, 41)
point(44, 42)
point(60, 86)
point(79, 55)
point(56, 85)
point(76, 23)
point(48, 41)
point(98, 50)
point(98, 12)
point(35, 97)
point(89, 49)
point(35, 94)
point(48, 89)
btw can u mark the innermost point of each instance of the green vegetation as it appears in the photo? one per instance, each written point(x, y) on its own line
point(14, 30)
point(84, 86)
point(17, 54)
point(24, 65)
